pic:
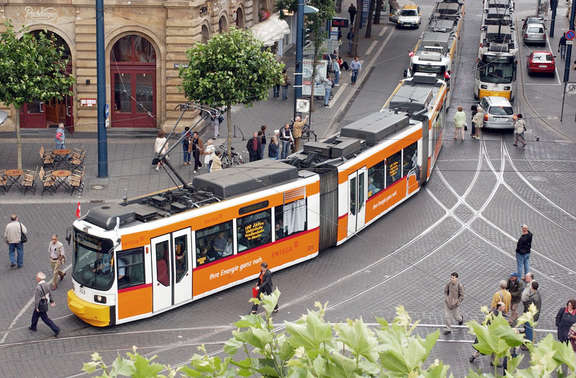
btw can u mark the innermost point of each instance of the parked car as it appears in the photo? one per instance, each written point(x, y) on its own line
point(534, 34)
point(533, 20)
point(541, 61)
point(498, 112)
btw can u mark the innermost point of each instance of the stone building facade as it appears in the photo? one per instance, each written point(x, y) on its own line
point(146, 43)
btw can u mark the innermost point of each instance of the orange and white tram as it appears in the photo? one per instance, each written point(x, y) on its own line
point(154, 253)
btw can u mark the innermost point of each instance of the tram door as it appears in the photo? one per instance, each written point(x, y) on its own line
point(357, 191)
point(161, 282)
point(182, 266)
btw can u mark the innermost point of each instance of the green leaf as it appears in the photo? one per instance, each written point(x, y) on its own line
point(122, 367)
point(359, 338)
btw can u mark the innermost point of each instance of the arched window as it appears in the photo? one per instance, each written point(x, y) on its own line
point(222, 25)
point(205, 34)
point(239, 18)
point(133, 49)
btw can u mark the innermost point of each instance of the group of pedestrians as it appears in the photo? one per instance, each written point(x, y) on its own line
point(460, 121)
point(284, 141)
point(15, 235)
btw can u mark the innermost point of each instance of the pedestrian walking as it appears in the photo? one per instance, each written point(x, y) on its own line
point(356, 66)
point(285, 84)
point(337, 72)
point(565, 318)
point(478, 122)
point(523, 247)
point(42, 297)
point(15, 236)
point(297, 129)
point(57, 260)
point(273, 148)
point(515, 287)
point(473, 111)
point(186, 136)
point(197, 149)
point(216, 162)
point(502, 295)
point(352, 12)
point(160, 148)
point(286, 138)
point(217, 120)
point(60, 137)
point(254, 147)
point(327, 91)
point(562, 46)
point(209, 150)
point(532, 297)
point(453, 297)
point(459, 124)
point(519, 130)
point(264, 285)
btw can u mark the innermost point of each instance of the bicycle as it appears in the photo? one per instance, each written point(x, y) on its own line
point(234, 159)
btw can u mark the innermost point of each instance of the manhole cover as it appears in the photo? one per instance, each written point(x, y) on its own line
point(538, 178)
point(97, 187)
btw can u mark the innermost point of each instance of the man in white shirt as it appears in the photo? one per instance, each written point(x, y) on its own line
point(13, 237)
point(57, 259)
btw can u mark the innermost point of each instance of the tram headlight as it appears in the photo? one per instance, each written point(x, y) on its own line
point(99, 299)
point(483, 86)
point(507, 88)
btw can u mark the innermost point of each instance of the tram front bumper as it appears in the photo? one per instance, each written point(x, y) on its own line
point(91, 313)
point(485, 93)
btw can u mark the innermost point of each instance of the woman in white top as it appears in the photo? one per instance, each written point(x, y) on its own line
point(160, 146)
point(209, 150)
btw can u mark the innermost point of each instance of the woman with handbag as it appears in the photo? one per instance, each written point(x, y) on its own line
point(263, 286)
point(41, 298)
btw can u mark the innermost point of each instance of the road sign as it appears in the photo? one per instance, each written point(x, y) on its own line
point(570, 34)
point(302, 105)
point(569, 43)
point(571, 89)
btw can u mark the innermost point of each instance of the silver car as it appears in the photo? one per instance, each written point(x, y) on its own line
point(498, 112)
point(534, 34)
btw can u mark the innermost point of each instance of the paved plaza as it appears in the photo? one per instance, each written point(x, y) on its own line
point(467, 220)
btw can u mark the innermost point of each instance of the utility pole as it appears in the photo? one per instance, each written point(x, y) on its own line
point(568, 59)
point(299, 53)
point(101, 78)
point(554, 6)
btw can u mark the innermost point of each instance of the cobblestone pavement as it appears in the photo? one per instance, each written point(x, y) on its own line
point(467, 220)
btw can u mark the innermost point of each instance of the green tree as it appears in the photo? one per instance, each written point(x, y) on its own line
point(32, 68)
point(231, 68)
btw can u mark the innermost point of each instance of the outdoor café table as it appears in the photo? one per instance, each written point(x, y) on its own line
point(13, 176)
point(61, 177)
point(61, 155)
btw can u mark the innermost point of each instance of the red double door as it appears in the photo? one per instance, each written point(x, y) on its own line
point(133, 96)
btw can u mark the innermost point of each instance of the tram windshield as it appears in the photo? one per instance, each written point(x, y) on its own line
point(428, 68)
point(497, 71)
point(93, 261)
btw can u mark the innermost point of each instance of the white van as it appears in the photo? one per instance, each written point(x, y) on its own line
point(406, 15)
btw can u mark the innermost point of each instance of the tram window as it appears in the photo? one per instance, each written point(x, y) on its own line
point(130, 268)
point(393, 168)
point(181, 255)
point(254, 230)
point(290, 218)
point(214, 243)
point(376, 178)
point(410, 160)
point(163, 263)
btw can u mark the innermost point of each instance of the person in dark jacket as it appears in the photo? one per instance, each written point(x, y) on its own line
point(263, 135)
point(565, 317)
point(42, 292)
point(532, 297)
point(515, 287)
point(264, 285)
point(274, 147)
point(254, 147)
point(523, 248)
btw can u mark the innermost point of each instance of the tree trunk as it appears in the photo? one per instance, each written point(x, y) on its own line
point(230, 129)
point(369, 20)
point(377, 12)
point(313, 84)
point(357, 28)
point(18, 137)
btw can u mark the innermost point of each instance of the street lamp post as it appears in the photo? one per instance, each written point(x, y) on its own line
point(299, 53)
point(101, 78)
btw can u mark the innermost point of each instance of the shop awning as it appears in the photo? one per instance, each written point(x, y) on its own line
point(271, 30)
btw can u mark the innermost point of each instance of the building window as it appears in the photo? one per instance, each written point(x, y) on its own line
point(254, 230)
point(410, 160)
point(222, 25)
point(133, 49)
point(214, 243)
point(205, 34)
point(393, 168)
point(130, 268)
point(376, 176)
point(290, 218)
